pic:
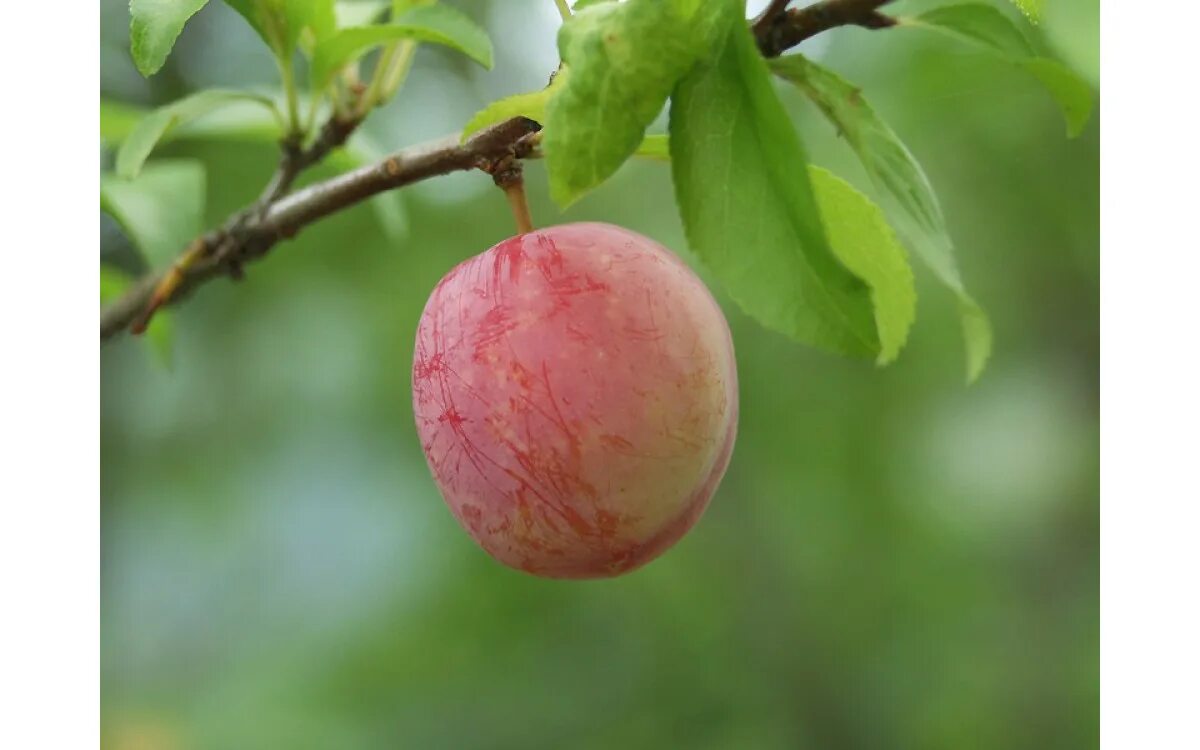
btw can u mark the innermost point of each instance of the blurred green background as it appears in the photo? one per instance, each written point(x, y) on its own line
point(892, 561)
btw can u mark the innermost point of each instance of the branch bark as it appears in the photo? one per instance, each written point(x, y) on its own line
point(778, 31)
point(277, 214)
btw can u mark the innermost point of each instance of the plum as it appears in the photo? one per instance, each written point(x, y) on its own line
point(575, 394)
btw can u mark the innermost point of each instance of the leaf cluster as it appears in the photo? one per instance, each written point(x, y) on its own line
point(798, 248)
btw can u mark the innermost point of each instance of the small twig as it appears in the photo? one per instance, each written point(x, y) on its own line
point(293, 159)
point(785, 30)
point(285, 173)
point(775, 9)
point(170, 281)
point(334, 133)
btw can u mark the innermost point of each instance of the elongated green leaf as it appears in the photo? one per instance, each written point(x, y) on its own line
point(245, 121)
point(160, 334)
point(151, 129)
point(531, 105)
point(1073, 94)
point(400, 7)
point(438, 24)
point(1031, 8)
point(584, 4)
point(1072, 30)
point(162, 210)
point(622, 61)
point(903, 188)
point(320, 24)
point(236, 121)
point(981, 24)
point(452, 29)
point(748, 208)
point(977, 333)
point(118, 119)
point(154, 25)
point(261, 16)
point(863, 241)
point(281, 23)
point(362, 13)
point(992, 30)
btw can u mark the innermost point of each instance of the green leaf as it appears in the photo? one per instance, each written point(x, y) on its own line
point(748, 207)
point(162, 210)
point(117, 120)
point(237, 121)
point(863, 241)
point(320, 25)
point(904, 189)
point(979, 23)
point(160, 334)
point(977, 332)
point(153, 127)
point(154, 25)
point(246, 121)
point(531, 105)
point(584, 4)
point(400, 7)
point(361, 13)
point(1072, 30)
point(1073, 94)
point(1031, 8)
point(622, 61)
point(280, 23)
point(449, 27)
point(261, 17)
point(989, 28)
point(436, 23)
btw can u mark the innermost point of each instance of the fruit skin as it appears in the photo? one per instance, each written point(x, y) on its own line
point(575, 393)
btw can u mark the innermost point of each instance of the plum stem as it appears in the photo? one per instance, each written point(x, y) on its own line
point(509, 175)
point(515, 192)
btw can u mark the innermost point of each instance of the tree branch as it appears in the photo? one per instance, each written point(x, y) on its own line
point(778, 31)
point(509, 139)
point(770, 14)
point(250, 233)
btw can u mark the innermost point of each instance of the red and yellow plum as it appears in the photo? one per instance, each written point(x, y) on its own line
point(575, 393)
